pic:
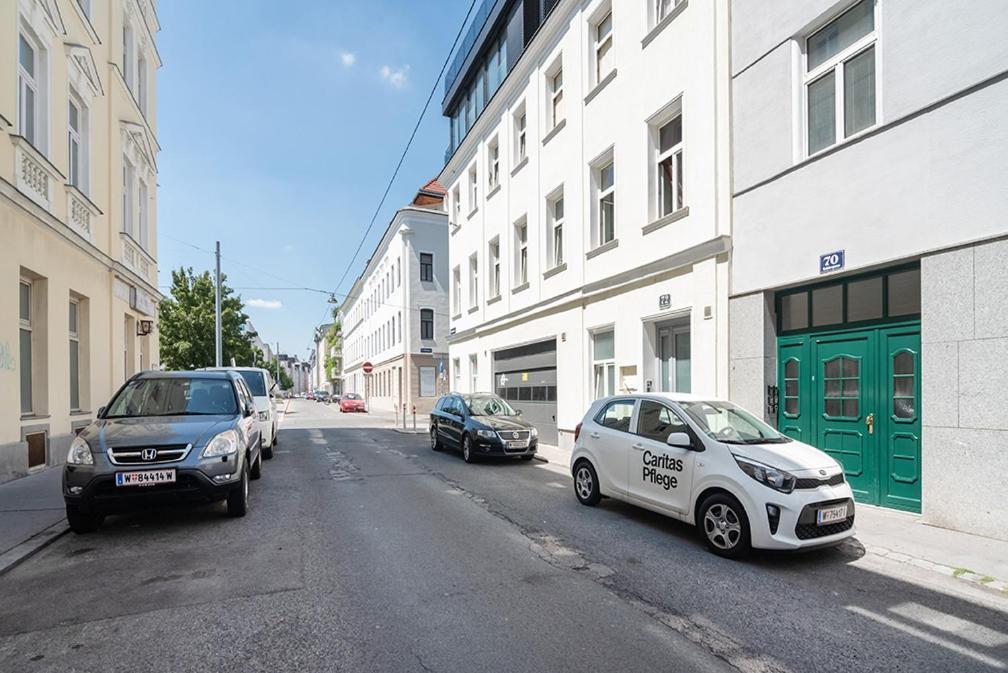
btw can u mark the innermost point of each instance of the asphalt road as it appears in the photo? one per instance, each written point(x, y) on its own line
point(366, 551)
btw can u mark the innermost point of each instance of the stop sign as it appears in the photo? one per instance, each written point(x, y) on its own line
point(367, 367)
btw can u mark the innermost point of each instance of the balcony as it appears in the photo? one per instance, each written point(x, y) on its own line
point(136, 259)
point(35, 176)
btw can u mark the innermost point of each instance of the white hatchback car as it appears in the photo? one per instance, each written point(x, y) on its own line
point(713, 464)
point(260, 384)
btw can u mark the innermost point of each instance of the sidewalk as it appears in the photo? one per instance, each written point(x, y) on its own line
point(31, 515)
point(900, 537)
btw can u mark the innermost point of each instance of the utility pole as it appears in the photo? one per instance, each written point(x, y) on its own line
point(278, 364)
point(217, 313)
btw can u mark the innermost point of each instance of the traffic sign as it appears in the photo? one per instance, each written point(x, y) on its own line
point(367, 367)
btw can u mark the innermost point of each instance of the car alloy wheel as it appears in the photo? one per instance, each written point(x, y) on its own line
point(435, 444)
point(583, 482)
point(586, 486)
point(722, 526)
point(467, 455)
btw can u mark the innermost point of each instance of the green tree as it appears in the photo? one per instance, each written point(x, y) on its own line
point(187, 324)
point(286, 383)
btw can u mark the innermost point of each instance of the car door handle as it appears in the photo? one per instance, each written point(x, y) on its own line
point(594, 435)
point(638, 447)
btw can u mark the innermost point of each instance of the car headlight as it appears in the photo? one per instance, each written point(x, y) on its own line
point(223, 444)
point(779, 480)
point(263, 415)
point(80, 452)
point(534, 433)
point(487, 434)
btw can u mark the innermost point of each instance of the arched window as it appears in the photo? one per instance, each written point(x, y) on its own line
point(904, 385)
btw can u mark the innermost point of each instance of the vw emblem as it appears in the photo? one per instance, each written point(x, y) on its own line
point(822, 472)
point(148, 454)
point(514, 435)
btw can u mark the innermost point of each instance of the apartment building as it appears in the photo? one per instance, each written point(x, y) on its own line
point(867, 311)
point(396, 314)
point(78, 182)
point(589, 203)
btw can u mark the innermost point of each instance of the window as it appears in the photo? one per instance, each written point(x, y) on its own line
point(127, 196)
point(426, 267)
point(520, 129)
point(493, 165)
point(840, 77)
point(398, 326)
point(473, 282)
point(605, 186)
point(142, 212)
point(555, 215)
point(76, 148)
point(456, 373)
point(791, 379)
point(473, 190)
point(31, 99)
point(664, 7)
point(127, 55)
point(904, 390)
point(25, 341)
point(521, 252)
point(556, 110)
point(427, 382)
point(473, 374)
point(141, 83)
point(74, 328)
point(603, 48)
point(656, 422)
point(426, 323)
point(670, 167)
point(457, 290)
point(841, 386)
point(457, 206)
point(616, 415)
point(494, 253)
point(604, 363)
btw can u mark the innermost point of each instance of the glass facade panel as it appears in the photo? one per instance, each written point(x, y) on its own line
point(904, 293)
point(827, 305)
point(794, 311)
point(864, 299)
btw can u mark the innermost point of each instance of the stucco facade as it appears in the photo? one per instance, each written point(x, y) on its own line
point(78, 183)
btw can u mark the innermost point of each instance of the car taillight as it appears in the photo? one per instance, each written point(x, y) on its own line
point(577, 431)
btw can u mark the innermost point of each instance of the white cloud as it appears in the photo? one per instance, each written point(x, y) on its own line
point(348, 58)
point(265, 303)
point(395, 76)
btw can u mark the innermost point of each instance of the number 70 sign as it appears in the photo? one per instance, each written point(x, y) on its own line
point(832, 261)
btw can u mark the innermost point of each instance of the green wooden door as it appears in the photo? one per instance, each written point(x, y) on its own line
point(899, 417)
point(844, 402)
point(794, 368)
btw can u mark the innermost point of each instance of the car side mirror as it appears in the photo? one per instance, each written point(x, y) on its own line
point(518, 411)
point(273, 387)
point(249, 409)
point(101, 412)
point(680, 440)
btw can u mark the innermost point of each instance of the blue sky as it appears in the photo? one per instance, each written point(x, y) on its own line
point(279, 130)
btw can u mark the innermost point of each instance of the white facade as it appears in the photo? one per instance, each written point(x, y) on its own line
point(634, 280)
point(914, 179)
point(396, 315)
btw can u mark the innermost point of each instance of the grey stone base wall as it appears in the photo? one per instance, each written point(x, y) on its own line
point(14, 456)
point(752, 352)
point(964, 396)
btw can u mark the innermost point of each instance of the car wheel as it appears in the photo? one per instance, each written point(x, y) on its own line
point(586, 486)
point(237, 501)
point(267, 451)
point(82, 522)
point(256, 472)
point(435, 441)
point(725, 526)
point(528, 457)
point(467, 454)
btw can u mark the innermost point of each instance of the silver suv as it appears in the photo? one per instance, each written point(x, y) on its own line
point(165, 438)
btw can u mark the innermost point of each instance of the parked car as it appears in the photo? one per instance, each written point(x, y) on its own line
point(260, 383)
point(481, 424)
point(713, 464)
point(165, 438)
point(310, 395)
point(351, 402)
point(322, 396)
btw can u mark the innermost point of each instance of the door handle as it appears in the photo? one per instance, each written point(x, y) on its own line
point(594, 435)
point(638, 447)
point(870, 422)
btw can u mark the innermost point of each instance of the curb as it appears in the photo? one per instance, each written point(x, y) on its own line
point(960, 573)
point(14, 556)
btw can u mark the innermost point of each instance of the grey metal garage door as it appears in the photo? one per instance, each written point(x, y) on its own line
point(526, 377)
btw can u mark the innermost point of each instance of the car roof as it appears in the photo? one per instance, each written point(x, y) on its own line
point(233, 369)
point(667, 397)
point(196, 374)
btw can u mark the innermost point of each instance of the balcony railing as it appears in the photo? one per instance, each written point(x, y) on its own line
point(135, 258)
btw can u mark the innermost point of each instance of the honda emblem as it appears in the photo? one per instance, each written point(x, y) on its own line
point(148, 454)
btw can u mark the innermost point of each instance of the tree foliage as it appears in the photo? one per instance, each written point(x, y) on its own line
point(187, 324)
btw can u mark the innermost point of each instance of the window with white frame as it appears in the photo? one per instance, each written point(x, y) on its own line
point(493, 165)
point(554, 235)
point(473, 281)
point(457, 290)
point(604, 363)
point(141, 83)
point(520, 134)
point(142, 210)
point(31, 108)
point(127, 54)
point(78, 132)
point(129, 176)
point(26, 360)
point(556, 95)
point(473, 373)
point(664, 7)
point(603, 48)
point(669, 166)
point(521, 252)
point(75, 352)
point(473, 189)
point(604, 185)
point(456, 206)
point(839, 82)
point(493, 251)
point(456, 366)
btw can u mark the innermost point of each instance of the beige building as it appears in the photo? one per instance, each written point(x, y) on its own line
point(78, 179)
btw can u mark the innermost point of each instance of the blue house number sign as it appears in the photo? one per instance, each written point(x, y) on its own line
point(833, 261)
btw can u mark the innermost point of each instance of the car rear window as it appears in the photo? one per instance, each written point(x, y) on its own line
point(256, 383)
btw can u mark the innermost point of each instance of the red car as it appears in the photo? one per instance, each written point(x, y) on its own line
point(351, 402)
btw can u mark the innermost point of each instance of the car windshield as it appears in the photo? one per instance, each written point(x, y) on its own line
point(174, 397)
point(488, 405)
point(351, 396)
point(256, 383)
point(731, 424)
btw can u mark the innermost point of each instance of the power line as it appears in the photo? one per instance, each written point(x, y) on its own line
point(402, 158)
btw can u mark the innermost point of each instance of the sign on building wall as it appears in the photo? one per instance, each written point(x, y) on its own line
point(831, 261)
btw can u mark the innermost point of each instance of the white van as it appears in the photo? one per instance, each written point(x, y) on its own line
point(713, 464)
point(260, 384)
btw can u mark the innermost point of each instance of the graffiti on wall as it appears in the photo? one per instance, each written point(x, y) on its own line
point(6, 357)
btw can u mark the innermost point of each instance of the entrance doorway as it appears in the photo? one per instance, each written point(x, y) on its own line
point(673, 359)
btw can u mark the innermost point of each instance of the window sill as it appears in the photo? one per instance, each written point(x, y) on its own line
point(521, 165)
point(455, 228)
point(660, 26)
point(601, 85)
point(668, 219)
point(493, 191)
point(494, 299)
point(560, 268)
point(472, 213)
point(473, 309)
point(605, 247)
point(80, 412)
point(555, 130)
point(457, 316)
point(523, 286)
point(33, 417)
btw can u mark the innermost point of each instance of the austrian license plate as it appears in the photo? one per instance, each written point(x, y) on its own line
point(517, 444)
point(828, 515)
point(145, 478)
